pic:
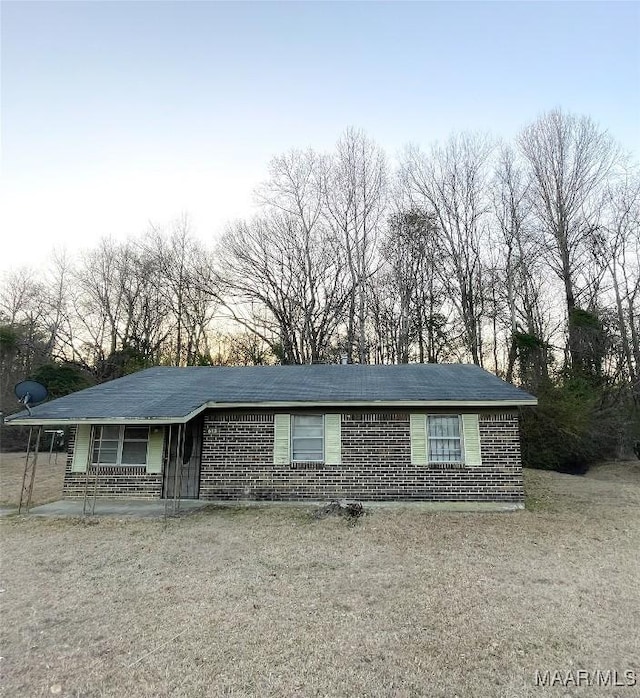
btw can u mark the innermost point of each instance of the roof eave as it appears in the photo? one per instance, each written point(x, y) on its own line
point(375, 403)
point(34, 420)
point(134, 421)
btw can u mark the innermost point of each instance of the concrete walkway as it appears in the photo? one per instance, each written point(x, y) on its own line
point(155, 508)
point(134, 508)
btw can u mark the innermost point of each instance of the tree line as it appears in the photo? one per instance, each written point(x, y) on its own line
point(522, 257)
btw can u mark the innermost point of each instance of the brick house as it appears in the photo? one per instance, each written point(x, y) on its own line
point(445, 432)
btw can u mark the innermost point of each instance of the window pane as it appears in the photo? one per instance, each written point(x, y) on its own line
point(313, 432)
point(444, 439)
point(106, 455)
point(134, 453)
point(307, 444)
point(107, 443)
point(443, 427)
point(106, 451)
point(307, 420)
point(136, 433)
point(307, 437)
point(109, 433)
point(308, 456)
point(444, 450)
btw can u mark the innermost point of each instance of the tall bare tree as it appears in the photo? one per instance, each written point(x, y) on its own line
point(569, 160)
point(120, 303)
point(186, 271)
point(295, 274)
point(23, 325)
point(621, 254)
point(287, 262)
point(519, 275)
point(452, 182)
point(408, 297)
point(356, 203)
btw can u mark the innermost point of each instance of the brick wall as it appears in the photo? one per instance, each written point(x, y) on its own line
point(237, 462)
point(118, 481)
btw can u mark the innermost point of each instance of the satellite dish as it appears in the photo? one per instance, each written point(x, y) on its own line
point(30, 393)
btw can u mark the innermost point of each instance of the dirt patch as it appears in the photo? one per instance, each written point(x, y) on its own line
point(351, 511)
point(270, 602)
point(48, 482)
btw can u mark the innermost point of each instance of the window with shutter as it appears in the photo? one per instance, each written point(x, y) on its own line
point(307, 437)
point(444, 437)
point(119, 445)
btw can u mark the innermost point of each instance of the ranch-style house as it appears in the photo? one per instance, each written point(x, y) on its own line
point(443, 432)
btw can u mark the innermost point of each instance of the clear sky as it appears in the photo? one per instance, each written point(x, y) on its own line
point(119, 113)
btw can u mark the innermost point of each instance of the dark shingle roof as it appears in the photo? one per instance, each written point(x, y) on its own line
point(165, 393)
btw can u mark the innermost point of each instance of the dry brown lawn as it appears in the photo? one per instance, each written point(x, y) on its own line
point(270, 602)
point(47, 485)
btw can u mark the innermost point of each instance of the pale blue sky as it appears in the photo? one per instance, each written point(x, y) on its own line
point(116, 113)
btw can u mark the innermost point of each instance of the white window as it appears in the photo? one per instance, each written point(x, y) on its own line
point(307, 437)
point(444, 438)
point(120, 445)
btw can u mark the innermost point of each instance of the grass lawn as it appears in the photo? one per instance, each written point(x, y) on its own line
point(47, 485)
point(271, 602)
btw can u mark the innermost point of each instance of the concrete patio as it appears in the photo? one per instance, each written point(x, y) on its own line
point(134, 508)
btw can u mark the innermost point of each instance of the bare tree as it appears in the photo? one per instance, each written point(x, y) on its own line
point(620, 252)
point(288, 262)
point(24, 330)
point(60, 323)
point(21, 296)
point(295, 273)
point(452, 181)
point(518, 267)
point(356, 201)
point(186, 271)
point(24, 311)
point(120, 303)
point(569, 160)
point(408, 296)
point(98, 300)
point(239, 349)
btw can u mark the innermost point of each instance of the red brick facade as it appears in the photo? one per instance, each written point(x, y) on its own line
point(237, 463)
